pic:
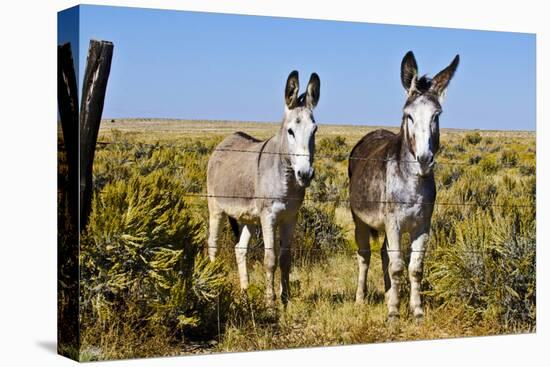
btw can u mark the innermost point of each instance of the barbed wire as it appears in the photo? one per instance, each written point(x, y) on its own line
point(337, 157)
point(411, 203)
point(353, 253)
point(348, 251)
point(309, 198)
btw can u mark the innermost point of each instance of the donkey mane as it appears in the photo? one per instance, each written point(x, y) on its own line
point(423, 84)
point(423, 87)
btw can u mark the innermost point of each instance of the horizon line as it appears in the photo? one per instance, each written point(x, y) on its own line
point(320, 123)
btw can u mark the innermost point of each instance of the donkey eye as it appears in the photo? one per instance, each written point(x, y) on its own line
point(410, 119)
point(290, 132)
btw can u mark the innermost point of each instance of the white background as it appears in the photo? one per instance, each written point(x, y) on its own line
point(28, 181)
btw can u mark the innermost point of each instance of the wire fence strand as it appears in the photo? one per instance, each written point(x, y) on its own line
point(410, 203)
point(309, 198)
point(337, 157)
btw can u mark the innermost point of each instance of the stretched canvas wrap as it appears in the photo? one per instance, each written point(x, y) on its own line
point(234, 183)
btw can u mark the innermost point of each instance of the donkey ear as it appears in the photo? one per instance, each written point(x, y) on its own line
point(313, 91)
point(442, 79)
point(409, 72)
point(291, 89)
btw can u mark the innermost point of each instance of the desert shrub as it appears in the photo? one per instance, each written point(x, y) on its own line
point(489, 164)
point(527, 169)
point(490, 267)
point(495, 149)
point(509, 158)
point(483, 255)
point(124, 158)
point(141, 261)
point(472, 188)
point(335, 147)
point(317, 234)
point(328, 184)
point(459, 148)
point(472, 138)
point(447, 174)
point(446, 152)
point(474, 159)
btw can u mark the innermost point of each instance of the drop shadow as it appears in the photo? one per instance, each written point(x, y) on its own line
point(48, 345)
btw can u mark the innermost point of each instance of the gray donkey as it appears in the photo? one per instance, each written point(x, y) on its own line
point(392, 186)
point(253, 181)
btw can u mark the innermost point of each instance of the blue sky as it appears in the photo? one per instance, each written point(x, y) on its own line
point(175, 64)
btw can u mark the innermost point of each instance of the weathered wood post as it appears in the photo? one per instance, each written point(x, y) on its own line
point(98, 66)
point(67, 100)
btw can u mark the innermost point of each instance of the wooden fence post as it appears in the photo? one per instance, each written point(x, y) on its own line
point(67, 100)
point(98, 66)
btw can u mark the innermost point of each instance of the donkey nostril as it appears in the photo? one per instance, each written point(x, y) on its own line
point(305, 175)
point(425, 158)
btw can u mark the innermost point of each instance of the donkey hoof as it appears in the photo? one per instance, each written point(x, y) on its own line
point(271, 313)
point(359, 300)
point(392, 319)
point(418, 315)
point(244, 294)
point(285, 300)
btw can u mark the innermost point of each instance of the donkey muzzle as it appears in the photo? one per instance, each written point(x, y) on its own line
point(304, 176)
point(426, 169)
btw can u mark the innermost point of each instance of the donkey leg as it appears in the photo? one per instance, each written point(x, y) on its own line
point(362, 238)
point(396, 266)
point(268, 230)
point(240, 254)
point(385, 264)
point(286, 231)
point(214, 229)
point(418, 247)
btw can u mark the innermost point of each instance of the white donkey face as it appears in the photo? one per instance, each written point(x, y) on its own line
point(422, 110)
point(299, 126)
point(300, 135)
point(422, 119)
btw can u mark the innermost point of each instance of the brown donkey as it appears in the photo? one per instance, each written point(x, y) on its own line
point(392, 186)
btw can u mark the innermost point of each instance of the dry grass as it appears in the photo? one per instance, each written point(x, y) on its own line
point(322, 312)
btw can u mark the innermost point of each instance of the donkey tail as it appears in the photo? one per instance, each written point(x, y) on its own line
point(234, 227)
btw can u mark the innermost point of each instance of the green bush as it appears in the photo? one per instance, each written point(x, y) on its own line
point(447, 174)
point(489, 164)
point(490, 267)
point(335, 147)
point(527, 169)
point(509, 158)
point(328, 184)
point(473, 138)
point(317, 234)
point(141, 260)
